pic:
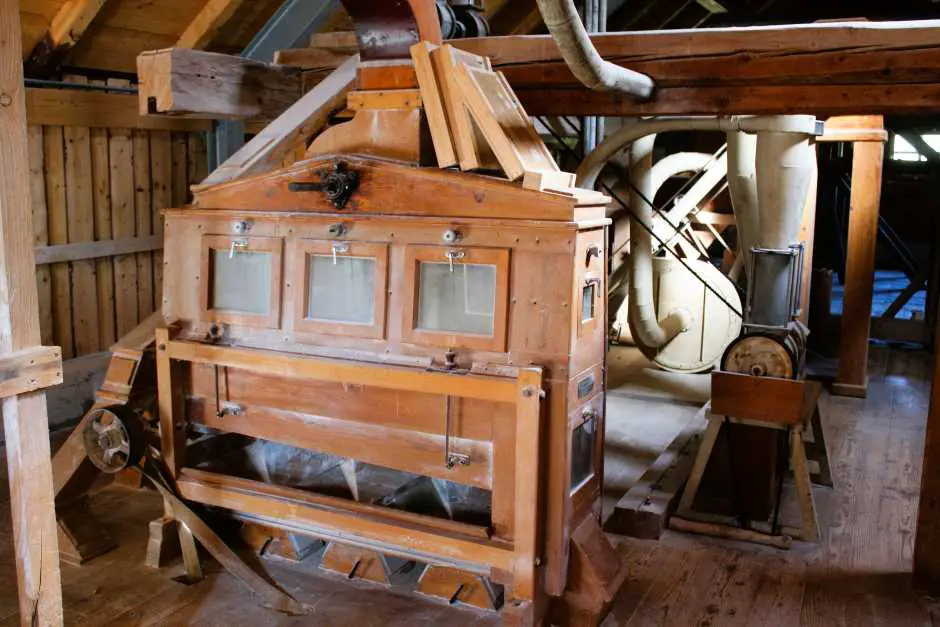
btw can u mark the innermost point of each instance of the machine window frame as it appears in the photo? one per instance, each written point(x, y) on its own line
point(271, 245)
point(414, 256)
point(300, 287)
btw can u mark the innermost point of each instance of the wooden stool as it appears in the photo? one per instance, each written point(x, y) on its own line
point(782, 404)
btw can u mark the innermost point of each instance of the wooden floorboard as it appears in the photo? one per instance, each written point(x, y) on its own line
point(858, 574)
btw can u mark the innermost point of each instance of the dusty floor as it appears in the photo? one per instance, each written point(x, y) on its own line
point(646, 409)
point(856, 575)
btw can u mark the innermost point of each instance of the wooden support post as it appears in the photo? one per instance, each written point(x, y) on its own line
point(927, 540)
point(25, 423)
point(852, 374)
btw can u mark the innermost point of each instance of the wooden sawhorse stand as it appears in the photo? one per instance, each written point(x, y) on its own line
point(782, 404)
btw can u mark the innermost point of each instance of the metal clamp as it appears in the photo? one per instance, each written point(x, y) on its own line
point(451, 459)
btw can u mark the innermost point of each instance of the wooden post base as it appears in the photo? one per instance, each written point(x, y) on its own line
point(851, 389)
point(163, 545)
point(81, 537)
point(595, 574)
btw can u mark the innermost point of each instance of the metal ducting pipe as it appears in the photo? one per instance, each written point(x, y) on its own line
point(742, 183)
point(563, 22)
point(781, 149)
point(650, 331)
point(675, 164)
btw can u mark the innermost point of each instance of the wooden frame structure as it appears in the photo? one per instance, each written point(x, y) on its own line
point(543, 541)
point(459, 546)
point(27, 367)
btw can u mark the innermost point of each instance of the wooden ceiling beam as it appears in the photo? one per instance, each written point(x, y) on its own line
point(824, 69)
point(67, 28)
point(207, 23)
point(209, 85)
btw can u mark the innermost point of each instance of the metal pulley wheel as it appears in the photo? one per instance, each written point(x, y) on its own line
point(114, 438)
point(448, 20)
point(761, 355)
point(472, 20)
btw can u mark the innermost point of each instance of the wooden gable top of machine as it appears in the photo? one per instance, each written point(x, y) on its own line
point(362, 185)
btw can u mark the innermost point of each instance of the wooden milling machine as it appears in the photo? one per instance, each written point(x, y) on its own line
point(403, 361)
point(406, 363)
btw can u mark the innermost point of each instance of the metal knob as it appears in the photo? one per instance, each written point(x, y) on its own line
point(451, 236)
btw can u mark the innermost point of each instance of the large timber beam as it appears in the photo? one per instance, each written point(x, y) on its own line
point(198, 84)
point(824, 69)
point(290, 25)
point(25, 423)
point(207, 23)
point(67, 27)
point(268, 149)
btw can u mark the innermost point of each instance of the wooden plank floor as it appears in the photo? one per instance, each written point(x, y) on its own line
point(857, 575)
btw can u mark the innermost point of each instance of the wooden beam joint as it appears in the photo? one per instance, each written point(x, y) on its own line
point(30, 370)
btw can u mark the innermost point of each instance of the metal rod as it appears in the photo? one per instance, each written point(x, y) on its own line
point(44, 84)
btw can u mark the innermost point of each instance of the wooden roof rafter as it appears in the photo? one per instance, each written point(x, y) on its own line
point(66, 29)
point(207, 23)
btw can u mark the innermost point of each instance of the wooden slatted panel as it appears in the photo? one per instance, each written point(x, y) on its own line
point(122, 179)
point(37, 194)
point(81, 224)
point(125, 225)
point(101, 174)
point(143, 208)
point(54, 156)
point(161, 155)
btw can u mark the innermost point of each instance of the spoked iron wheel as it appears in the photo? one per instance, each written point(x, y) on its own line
point(114, 438)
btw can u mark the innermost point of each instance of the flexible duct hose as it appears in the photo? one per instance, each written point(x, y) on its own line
point(563, 22)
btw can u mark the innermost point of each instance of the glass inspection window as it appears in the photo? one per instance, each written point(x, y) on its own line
point(583, 440)
point(343, 285)
point(457, 297)
point(241, 280)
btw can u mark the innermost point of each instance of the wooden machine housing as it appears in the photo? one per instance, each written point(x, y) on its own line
point(377, 391)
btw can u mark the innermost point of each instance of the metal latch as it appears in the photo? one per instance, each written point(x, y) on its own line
point(452, 256)
point(236, 245)
point(339, 248)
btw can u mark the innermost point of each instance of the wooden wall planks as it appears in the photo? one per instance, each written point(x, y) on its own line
point(103, 184)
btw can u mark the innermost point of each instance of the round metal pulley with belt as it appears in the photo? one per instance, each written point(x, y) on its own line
point(114, 438)
point(761, 355)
